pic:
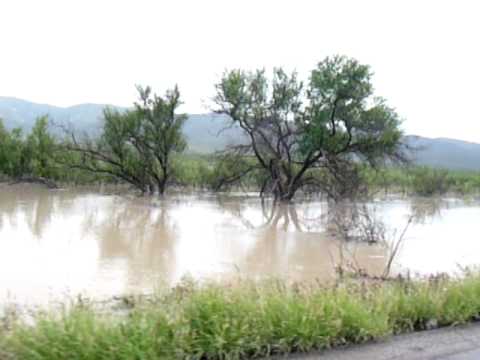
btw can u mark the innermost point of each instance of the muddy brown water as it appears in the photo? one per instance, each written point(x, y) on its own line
point(56, 244)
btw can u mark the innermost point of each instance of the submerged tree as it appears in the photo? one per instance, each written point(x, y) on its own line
point(136, 145)
point(292, 129)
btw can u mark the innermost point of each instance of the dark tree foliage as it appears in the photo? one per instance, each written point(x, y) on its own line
point(40, 150)
point(29, 158)
point(4, 140)
point(292, 129)
point(136, 145)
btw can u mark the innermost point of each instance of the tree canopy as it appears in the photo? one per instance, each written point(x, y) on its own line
point(28, 156)
point(331, 122)
point(136, 145)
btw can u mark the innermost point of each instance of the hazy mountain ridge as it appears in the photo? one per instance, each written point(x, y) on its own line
point(445, 153)
point(210, 132)
point(21, 113)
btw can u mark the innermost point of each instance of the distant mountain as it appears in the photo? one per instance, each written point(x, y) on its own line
point(209, 132)
point(204, 132)
point(21, 113)
point(445, 153)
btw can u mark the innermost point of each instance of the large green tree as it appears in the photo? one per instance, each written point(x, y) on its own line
point(136, 145)
point(31, 156)
point(40, 150)
point(332, 122)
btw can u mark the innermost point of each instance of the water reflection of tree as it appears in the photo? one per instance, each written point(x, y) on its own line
point(290, 241)
point(423, 210)
point(36, 204)
point(140, 232)
point(273, 214)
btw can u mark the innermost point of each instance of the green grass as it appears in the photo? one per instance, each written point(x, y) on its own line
point(246, 320)
point(423, 181)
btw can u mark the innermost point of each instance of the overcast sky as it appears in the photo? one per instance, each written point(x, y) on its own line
point(425, 54)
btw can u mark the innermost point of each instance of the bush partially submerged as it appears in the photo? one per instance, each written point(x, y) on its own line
point(246, 320)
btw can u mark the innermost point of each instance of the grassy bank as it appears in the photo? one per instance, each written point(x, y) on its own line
point(245, 320)
point(423, 181)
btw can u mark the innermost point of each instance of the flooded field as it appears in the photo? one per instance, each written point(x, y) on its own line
point(61, 243)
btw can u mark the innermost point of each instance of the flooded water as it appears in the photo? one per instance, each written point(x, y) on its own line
point(61, 243)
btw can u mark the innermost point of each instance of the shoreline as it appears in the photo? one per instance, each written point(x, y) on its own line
point(248, 319)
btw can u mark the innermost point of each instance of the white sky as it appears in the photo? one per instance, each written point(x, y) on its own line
point(425, 54)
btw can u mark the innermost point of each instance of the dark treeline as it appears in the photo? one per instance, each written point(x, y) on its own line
point(329, 135)
point(34, 154)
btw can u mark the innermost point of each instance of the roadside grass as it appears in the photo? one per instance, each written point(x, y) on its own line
point(245, 320)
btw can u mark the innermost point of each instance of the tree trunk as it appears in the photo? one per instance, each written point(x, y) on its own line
point(162, 185)
point(285, 192)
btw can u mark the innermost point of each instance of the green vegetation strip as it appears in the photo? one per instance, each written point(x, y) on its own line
point(245, 320)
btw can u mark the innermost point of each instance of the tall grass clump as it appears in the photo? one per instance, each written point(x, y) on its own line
point(245, 320)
